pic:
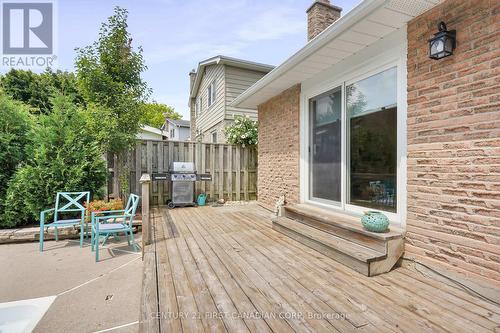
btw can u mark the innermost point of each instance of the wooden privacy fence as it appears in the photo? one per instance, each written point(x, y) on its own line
point(233, 169)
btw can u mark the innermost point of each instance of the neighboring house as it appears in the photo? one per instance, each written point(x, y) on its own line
point(150, 133)
point(362, 119)
point(215, 84)
point(177, 130)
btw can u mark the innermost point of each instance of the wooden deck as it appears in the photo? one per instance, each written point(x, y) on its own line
point(223, 269)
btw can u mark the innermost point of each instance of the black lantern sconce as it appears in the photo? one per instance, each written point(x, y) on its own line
point(443, 43)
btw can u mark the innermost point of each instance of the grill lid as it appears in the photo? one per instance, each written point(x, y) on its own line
point(187, 167)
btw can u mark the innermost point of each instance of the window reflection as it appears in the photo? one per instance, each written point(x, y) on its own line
point(326, 145)
point(372, 113)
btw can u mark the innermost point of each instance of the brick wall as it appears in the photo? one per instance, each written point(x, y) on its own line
point(454, 141)
point(279, 148)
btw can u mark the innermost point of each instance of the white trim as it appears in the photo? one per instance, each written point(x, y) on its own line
point(402, 135)
point(344, 152)
point(383, 55)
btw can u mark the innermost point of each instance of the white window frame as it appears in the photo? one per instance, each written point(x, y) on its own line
point(212, 137)
point(211, 94)
point(357, 71)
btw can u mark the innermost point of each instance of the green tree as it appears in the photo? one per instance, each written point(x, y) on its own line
point(15, 127)
point(154, 114)
point(109, 77)
point(36, 90)
point(64, 157)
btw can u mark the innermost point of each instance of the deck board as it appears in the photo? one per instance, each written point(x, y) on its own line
point(167, 300)
point(223, 269)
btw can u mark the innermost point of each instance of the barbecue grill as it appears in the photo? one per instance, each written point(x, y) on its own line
point(182, 176)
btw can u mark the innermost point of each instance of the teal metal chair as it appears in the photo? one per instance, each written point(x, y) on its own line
point(111, 222)
point(69, 209)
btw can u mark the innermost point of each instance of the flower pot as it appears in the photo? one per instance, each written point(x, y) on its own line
point(375, 221)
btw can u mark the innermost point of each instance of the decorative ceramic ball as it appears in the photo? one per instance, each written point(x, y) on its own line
point(375, 221)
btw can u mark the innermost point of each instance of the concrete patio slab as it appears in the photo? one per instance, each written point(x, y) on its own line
point(112, 300)
point(90, 296)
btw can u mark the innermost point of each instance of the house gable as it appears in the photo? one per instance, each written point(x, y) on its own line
point(232, 77)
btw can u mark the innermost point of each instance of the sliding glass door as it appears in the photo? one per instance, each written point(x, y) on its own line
point(368, 169)
point(325, 148)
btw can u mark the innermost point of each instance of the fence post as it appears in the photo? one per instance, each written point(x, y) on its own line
point(146, 222)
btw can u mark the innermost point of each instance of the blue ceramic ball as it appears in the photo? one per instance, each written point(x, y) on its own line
point(375, 221)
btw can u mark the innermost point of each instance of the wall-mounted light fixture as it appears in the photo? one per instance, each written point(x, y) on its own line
point(443, 43)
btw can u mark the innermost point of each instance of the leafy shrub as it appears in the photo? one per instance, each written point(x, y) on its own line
point(16, 210)
point(242, 132)
point(36, 89)
point(64, 157)
point(15, 127)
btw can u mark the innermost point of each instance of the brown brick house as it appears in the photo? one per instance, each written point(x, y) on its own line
point(362, 118)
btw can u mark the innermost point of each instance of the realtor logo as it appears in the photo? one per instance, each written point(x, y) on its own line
point(27, 28)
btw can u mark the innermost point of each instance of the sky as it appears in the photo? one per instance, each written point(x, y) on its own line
point(177, 34)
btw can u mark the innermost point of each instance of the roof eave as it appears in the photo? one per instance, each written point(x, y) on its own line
point(342, 24)
point(229, 61)
point(151, 129)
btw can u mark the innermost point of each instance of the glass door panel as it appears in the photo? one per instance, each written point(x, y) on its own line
point(325, 145)
point(372, 114)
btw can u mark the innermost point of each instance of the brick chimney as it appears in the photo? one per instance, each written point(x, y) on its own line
point(320, 16)
point(192, 76)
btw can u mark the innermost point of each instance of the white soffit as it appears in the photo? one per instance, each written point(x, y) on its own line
point(367, 23)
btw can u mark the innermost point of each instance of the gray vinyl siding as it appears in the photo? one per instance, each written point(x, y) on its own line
point(184, 133)
point(210, 116)
point(232, 112)
point(237, 81)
